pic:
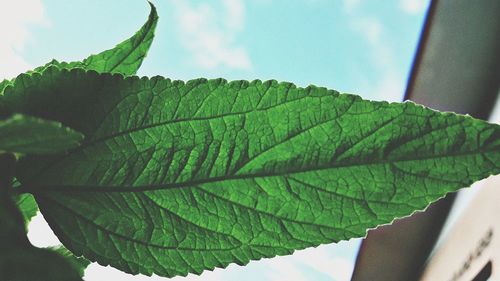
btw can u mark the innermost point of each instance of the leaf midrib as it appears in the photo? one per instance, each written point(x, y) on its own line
point(110, 188)
point(174, 121)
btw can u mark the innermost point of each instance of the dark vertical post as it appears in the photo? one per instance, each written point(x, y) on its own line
point(457, 68)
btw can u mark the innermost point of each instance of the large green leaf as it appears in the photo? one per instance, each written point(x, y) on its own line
point(31, 135)
point(124, 58)
point(178, 177)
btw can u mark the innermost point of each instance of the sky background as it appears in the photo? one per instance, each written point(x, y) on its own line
point(364, 47)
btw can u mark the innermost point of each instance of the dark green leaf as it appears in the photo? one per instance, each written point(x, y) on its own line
point(178, 177)
point(11, 221)
point(30, 263)
point(19, 260)
point(78, 263)
point(31, 135)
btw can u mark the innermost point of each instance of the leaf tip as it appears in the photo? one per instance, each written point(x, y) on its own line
point(153, 14)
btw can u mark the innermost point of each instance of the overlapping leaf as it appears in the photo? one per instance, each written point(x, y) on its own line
point(30, 263)
point(28, 207)
point(25, 134)
point(19, 260)
point(78, 263)
point(124, 58)
point(178, 177)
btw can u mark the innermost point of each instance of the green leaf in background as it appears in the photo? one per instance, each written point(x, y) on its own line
point(11, 221)
point(28, 207)
point(178, 177)
point(78, 263)
point(124, 58)
point(30, 263)
point(31, 135)
point(19, 260)
point(4, 85)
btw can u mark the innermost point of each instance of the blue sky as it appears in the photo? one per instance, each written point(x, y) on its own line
point(357, 46)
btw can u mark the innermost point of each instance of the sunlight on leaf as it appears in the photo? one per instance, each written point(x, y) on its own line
point(176, 177)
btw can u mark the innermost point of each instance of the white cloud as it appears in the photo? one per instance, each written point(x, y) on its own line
point(369, 28)
point(14, 33)
point(391, 83)
point(350, 5)
point(413, 6)
point(210, 33)
point(235, 14)
point(390, 87)
point(285, 269)
point(322, 260)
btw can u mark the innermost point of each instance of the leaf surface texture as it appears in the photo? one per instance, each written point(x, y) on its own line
point(176, 177)
point(31, 135)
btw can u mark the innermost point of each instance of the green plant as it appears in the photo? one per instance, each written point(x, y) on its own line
point(151, 175)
